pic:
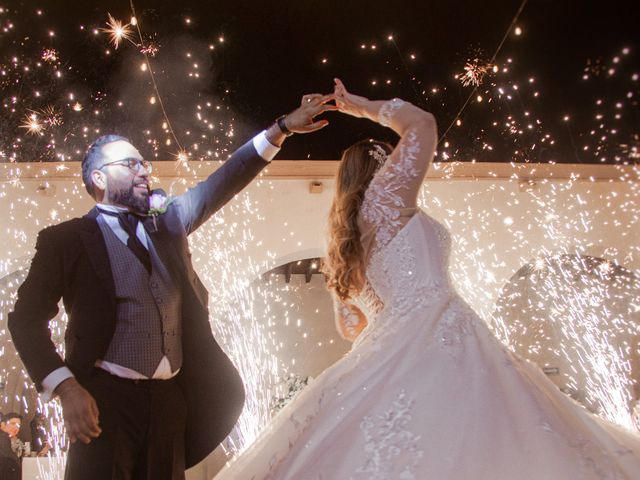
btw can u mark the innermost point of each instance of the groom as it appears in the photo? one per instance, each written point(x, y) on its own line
point(143, 385)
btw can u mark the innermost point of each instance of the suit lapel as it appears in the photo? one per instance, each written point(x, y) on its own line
point(96, 248)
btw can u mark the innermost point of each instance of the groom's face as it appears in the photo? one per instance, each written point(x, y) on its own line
point(125, 186)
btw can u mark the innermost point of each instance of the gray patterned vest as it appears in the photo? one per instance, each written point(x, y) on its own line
point(148, 309)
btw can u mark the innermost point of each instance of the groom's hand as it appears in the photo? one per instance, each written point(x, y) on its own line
point(79, 410)
point(301, 120)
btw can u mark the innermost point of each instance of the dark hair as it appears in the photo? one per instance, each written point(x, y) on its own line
point(92, 158)
point(344, 264)
point(8, 416)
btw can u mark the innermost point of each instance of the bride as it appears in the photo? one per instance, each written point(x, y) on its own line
point(426, 392)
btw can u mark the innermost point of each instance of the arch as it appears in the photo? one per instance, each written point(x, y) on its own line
point(576, 316)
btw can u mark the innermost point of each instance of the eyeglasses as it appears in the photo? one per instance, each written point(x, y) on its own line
point(132, 164)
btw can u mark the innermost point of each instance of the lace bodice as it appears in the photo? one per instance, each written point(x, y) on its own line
point(389, 205)
point(411, 269)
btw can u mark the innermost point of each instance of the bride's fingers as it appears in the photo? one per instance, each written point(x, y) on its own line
point(327, 98)
point(339, 86)
point(326, 108)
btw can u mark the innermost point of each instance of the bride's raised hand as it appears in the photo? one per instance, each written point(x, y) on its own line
point(348, 102)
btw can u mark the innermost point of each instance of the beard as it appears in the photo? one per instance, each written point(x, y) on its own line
point(126, 196)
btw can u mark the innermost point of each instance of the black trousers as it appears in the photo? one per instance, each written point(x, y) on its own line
point(143, 427)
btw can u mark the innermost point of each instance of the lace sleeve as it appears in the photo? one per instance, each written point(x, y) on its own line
point(388, 110)
point(391, 196)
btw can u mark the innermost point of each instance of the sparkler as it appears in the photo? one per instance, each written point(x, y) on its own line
point(32, 124)
point(474, 73)
point(118, 32)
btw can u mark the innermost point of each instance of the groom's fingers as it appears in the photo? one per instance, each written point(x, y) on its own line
point(312, 127)
point(310, 98)
point(317, 99)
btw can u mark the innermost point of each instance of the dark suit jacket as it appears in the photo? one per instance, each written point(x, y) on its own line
point(72, 263)
point(10, 465)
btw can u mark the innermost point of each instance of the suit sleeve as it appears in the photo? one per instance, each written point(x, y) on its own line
point(200, 202)
point(37, 303)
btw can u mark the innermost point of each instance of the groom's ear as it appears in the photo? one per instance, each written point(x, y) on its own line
point(98, 179)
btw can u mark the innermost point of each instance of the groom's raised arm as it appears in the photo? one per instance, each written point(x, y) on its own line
point(200, 202)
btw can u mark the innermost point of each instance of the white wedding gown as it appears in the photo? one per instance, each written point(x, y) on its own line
point(427, 391)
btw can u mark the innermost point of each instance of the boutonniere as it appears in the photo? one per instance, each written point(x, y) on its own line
point(158, 204)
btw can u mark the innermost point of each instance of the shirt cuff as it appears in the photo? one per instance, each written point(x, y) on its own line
point(264, 148)
point(52, 380)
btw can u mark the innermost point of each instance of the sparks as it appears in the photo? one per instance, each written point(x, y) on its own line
point(52, 116)
point(50, 55)
point(32, 124)
point(150, 49)
point(474, 73)
point(182, 158)
point(117, 31)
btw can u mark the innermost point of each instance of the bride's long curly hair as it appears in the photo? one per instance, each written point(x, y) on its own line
point(344, 265)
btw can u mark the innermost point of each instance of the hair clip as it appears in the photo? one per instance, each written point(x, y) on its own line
point(379, 154)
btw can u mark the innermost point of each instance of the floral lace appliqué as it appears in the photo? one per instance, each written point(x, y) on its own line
point(388, 110)
point(455, 324)
point(389, 444)
point(382, 200)
point(409, 294)
point(393, 283)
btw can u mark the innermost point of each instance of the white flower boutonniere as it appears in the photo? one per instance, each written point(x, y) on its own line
point(158, 204)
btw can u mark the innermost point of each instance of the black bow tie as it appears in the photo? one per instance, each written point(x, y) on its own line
point(129, 223)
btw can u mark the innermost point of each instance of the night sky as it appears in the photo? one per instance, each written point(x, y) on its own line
point(255, 59)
